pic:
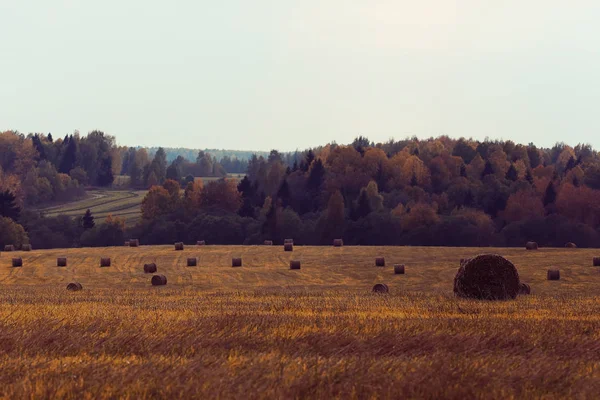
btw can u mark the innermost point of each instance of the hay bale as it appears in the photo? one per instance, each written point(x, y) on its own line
point(571, 245)
point(380, 262)
point(134, 243)
point(26, 247)
point(149, 268)
point(399, 269)
point(159, 280)
point(236, 262)
point(524, 289)
point(338, 243)
point(487, 277)
point(553, 275)
point(179, 246)
point(201, 243)
point(17, 262)
point(74, 286)
point(531, 246)
point(288, 241)
point(9, 247)
point(288, 247)
point(463, 261)
point(268, 243)
point(192, 262)
point(105, 262)
point(127, 243)
point(294, 264)
point(596, 262)
point(61, 262)
point(381, 288)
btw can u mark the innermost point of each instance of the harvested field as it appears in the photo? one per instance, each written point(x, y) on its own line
point(263, 331)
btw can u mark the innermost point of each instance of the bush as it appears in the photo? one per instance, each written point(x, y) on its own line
point(12, 233)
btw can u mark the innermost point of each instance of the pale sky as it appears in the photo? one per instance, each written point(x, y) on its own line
point(258, 74)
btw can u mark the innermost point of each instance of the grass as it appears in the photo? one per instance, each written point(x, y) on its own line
point(263, 331)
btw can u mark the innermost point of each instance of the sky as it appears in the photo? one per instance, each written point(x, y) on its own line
point(258, 75)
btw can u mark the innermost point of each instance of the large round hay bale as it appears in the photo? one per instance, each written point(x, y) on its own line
point(236, 262)
point(531, 246)
point(288, 241)
point(487, 277)
point(268, 243)
point(179, 246)
point(596, 262)
point(381, 288)
point(9, 247)
point(105, 262)
point(74, 286)
point(61, 262)
point(295, 264)
point(159, 280)
point(26, 247)
point(127, 243)
point(380, 262)
point(201, 243)
point(192, 262)
point(553, 275)
point(338, 243)
point(288, 247)
point(17, 262)
point(134, 243)
point(571, 245)
point(399, 269)
point(524, 289)
point(150, 268)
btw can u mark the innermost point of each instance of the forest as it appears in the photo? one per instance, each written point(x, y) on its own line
point(437, 191)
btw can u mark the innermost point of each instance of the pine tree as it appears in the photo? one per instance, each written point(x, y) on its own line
point(8, 205)
point(363, 207)
point(283, 194)
point(512, 174)
point(529, 177)
point(87, 220)
point(550, 195)
point(488, 169)
point(570, 164)
point(463, 170)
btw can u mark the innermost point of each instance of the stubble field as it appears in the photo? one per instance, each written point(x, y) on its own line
point(265, 331)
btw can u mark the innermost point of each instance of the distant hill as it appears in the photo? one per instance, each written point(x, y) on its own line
point(191, 154)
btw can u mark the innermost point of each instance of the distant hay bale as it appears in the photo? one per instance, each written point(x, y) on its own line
point(288, 241)
point(201, 243)
point(596, 262)
point(288, 247)
point(159, 280)
point(192, 262)
point(134, 243)
point(381, 288)
point(295, 264)
point(531, 246)
point(105, 262)
point(9, 247)
point(178, 246)
point(236, 262)
point(149, 268)
point(571, 245)
point(127, 243)
point(17, 262)
point(380, 262)
point(487, 277)
point(268, 243)
point(74, 286)
point(524, 289)
point(26, 247)
point(61, 262)
point(338, 243)
point(463, 261)
point(553, 275)
point(399, 269)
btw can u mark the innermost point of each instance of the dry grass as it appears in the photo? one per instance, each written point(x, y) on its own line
point(263, 331)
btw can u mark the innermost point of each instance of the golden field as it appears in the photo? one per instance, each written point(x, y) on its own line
point(264, 331)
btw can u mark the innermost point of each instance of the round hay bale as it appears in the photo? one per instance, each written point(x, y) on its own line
point(192, 262)
point(288, 241)
point(149, 268)
point(74, 286)
point(26, 247)
point(134, 243)
point(236, 262)
point(487, 277)
point(295, 264)
point(399, 269)
point(380, 262)
point(9, 247)
point(61, 262)
point(268, 243)
point(288, 247)
point(179, 246)
point(571, 245)
point(105, 262)
point(127, 243)
point(531, 246)
point(338, 243)
point(381, 288)
point(159, 280)
point(17, 262)
point(596, 262)
point(463, 261)
point(201, 243)
point(524, 289)
point(553, 275)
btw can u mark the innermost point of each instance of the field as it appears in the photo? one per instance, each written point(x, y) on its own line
point(265, 331)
